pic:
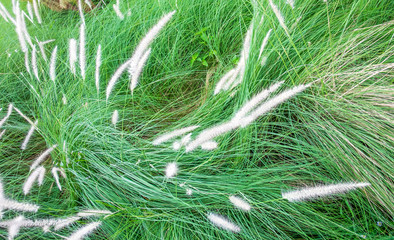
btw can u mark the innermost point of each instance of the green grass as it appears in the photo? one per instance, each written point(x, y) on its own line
point(338, 130)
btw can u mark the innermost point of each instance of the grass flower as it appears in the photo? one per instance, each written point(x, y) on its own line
point(115, 77)
point(52, 66)
point(136, 74)
point(222, 222)
point(98, 64)
point(254, 101)
point(80, 9)
point(23, 115)
point(65, 222)
point(7, 14)
point(279, 16)
point(143, 45)
point(118, 12)
point(84, 231)
point(30, 10)
point(27, 62)
point(37, 174)
point(36, 11)
point(9, 111)
point(34, 62)
point(240, 203)
point(271, 103)
point(171, 170)
point(176, 133)
point(29, 134)
point(265, 41)
point(72, 54)
point(115, 117)
point(93, 212)
point(309, 193)
point(55, 174)
point(42, 157)
point(210, 145)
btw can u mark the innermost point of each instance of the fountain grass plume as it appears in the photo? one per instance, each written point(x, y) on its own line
point(37, 174)
point(42, 157)
point(118, 12)
point(265, 41)
point(23, 115)
point(82, 50)
point(52, 66)
point(27, 62)
point(115, 117)
point(8, 114)
point(211, 133)
point(55, 174)
point(30, 11)
point(19, 28)
point(37, 12)
point(311, 193)
point(84, 231)
point(223, 222)
point(279, 16)
point(254, 101)
point(29, 134)
point(98, 64)
point(34, 62)
point(93, 213)
point(223, 80)
point(72, 46)
point(2, 133)
point(7, 14)
point(143, 45)
point(115, 77)
point(240, 203)
point(168, 136)
point(272, 103)
point(139, 69)
point(171, 170)
point(209, 145)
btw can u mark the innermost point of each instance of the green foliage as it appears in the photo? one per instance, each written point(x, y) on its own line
point(338, 130)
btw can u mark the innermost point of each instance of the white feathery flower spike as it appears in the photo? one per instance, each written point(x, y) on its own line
point(82, 51)
point(211, 133)
point(27, 63)
point(30, 10)
point(171, 170)
point(186, 139)
point(168, 136)
point(265, 41)
point(240, 203)
point(65, 222)
point(279, 16)
point(42, 157)
point(24, 30)
point(89, 3)
point(254, 101)
point(143, 45)
point(138, 70)
point(37, 174)
point(118, 12)
point(223, 80)
point(52, 66)
point(321, 191)
point(271, 103)
point(37, 12)
point(19, 28)
point(291, 3)
point(115, 117)
point(2, 133)
point(64, 99)
point(13, 228)
point(81, 11)
point(55, 171)
point(42, 49)
point(72, 46)
point(85, 230)
point(9, 111)
point(209, 145)
point(7, 14)
point(115, 77)
point(34, 62)
point(93, 212)
point(222, 222)
point(3, 15)
point(29, 134)
point(176, 145)
point(23, 115)
point(189, 191)
point(98, 64)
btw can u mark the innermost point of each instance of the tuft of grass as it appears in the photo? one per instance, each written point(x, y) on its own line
point(337, 130)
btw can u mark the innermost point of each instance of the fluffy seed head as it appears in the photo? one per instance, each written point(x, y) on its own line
point(222, 222)
point(240, 203)
point(171, 170)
